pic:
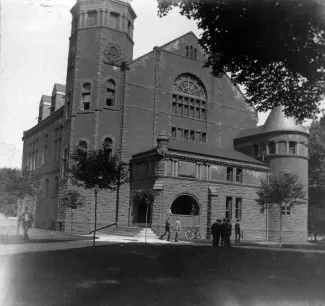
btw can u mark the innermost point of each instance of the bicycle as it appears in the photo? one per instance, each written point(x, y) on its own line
point(193, 233)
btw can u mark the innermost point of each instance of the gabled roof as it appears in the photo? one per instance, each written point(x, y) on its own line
point(249, 132)
point(45, 99)
point(180, 37)
point(208, 150)
point(58, 87)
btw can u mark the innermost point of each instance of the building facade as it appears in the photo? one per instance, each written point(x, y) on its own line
point(187, 134)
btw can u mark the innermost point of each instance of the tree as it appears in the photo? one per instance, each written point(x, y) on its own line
point(19, 184)
point(316, 173)
point(147, 196)
point(283, 189)
point(274, 48)
point(8, 201)
point(73, 200)
point(97, 170)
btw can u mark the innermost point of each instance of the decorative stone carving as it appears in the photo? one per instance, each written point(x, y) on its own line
point(113, 52)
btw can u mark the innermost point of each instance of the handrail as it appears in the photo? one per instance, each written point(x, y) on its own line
point(106, 226)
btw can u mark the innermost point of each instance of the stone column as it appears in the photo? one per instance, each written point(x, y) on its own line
point(287, 147)
point(266, 148)
point(85, 19)
point(276, 147)
point(98, 17)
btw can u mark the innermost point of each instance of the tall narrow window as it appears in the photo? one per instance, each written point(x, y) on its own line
point(204, 137)
point(46, 189)
point(130, 28)
point(192, 135)
point(191, 52)
point(228, 212)
point(292, 147)
point(271, 147)
point(92, 18)
point(239, 175)
point(82, 146)
point(194, 53)
point(173, 132)
point(65, 163)
point(110, 93)
point(230, 174)
point(108, 145)
point(256, 150)
point(114, 20)
point(238, 208)
point(187, 51)
point(68, 105)
point(186, 134)
point(86, 92)
point(36, 159)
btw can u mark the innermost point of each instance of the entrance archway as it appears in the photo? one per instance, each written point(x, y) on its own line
point(139, 211)
point(185, 205)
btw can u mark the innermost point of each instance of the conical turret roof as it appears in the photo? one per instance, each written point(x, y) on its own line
point(277, 121)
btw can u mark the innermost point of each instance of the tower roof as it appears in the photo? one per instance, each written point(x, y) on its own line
point(277, 121)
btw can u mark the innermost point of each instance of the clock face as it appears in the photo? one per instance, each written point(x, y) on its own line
point(113, 52)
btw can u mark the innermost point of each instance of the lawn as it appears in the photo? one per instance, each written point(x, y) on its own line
point(147, 274)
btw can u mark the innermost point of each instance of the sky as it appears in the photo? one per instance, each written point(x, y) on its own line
point(34, 48)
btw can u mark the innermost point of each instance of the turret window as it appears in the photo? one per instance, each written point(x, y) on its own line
point(110, 93)
point(86, 92)
point(292, 147)
point(114, 18)
point(271, 146)
point(92, 18)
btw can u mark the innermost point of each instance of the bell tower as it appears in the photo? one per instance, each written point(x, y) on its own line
point(101, 45)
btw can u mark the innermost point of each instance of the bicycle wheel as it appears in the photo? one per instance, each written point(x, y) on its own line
point(189, 235)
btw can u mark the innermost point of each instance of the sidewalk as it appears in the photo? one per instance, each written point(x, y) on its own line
point(50, 241)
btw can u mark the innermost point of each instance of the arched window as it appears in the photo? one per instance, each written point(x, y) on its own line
point(189, 98)
point(110, 93)
point(292, 147)
point(271, 146)
point(68, 105)
point(185, 205)
point(108, 146)
point(194, 53)
point(191, 52)
point(86, 92)
point(187, 51)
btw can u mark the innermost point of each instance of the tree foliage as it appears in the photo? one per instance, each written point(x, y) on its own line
point(275, 48)
point(146, 195)
point(97, 170)
point(283, 188)
point(73, 199)
point(316, 174)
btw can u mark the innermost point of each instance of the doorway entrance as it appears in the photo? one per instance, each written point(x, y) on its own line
point(142, 211)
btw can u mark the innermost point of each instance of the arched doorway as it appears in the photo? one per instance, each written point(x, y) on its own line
point(184, 204)
point(140, 210)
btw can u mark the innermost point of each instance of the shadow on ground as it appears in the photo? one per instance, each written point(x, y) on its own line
point(143, 274)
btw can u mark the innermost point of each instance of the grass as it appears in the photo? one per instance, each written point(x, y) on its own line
point(146, 274)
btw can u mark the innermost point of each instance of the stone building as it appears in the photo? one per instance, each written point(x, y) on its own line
point(190, 136)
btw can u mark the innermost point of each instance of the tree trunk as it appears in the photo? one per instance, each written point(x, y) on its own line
point(18, 216)
point(71, 222)
point(95, 225)
point(280, 240)
point(118, 194)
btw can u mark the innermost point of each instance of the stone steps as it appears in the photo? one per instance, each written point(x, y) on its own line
point(136, 232)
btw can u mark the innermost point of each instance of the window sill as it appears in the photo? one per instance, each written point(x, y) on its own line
point(114, 108)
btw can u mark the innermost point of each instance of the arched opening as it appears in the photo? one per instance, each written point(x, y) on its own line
point(185, 205)
point(140, 210)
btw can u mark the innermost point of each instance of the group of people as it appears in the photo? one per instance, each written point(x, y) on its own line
point(168, 227)
point(223, 229)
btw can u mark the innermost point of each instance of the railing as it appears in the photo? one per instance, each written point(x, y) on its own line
point(103, 227)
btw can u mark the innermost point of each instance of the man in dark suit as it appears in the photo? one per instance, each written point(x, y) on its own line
point(237, 232)
point(27, 219)
point(223, 230)
point(216, 231)
point(167, 229)
point(229, 230)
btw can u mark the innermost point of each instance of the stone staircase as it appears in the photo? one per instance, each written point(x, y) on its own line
point(136, 232)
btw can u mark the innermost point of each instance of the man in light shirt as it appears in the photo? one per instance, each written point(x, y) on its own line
point(27, 219)
point(177, 229)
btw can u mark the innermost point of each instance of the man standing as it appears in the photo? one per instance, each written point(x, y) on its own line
point(237, 232)
point(167, 229)
point(215, 231)
point(229, 230)
point(177, 229)
point(223, 230)
point(27, 219)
